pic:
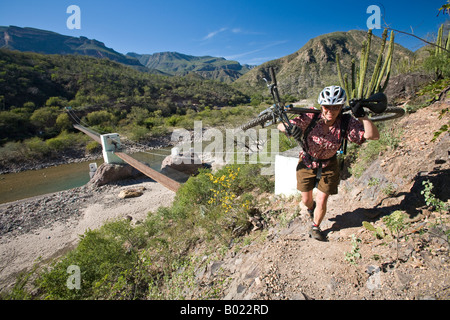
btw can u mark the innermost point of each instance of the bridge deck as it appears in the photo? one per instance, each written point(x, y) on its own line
point(149, 172)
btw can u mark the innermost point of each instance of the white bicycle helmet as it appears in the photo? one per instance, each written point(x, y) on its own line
point(333, 95)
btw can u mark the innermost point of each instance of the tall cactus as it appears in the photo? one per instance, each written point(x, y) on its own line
point(338, 66)
point(358, 88)
point(439, 41)
point(376, 71)
point(353, 78)
point(386, 66)
point(447, 46)
point(364, 62)
point(440, 44)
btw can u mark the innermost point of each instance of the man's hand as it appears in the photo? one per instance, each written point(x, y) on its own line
point(296, 133)
point(358, 110)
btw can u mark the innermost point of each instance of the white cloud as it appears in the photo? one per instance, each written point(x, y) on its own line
point(233, 30)
point(245, 32)
point(214, 33)
point(264, 47)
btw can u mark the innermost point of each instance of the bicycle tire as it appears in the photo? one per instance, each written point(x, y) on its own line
point(389, 114)
point(257, 121)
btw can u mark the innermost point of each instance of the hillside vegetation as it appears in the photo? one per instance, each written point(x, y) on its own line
point(226, 236)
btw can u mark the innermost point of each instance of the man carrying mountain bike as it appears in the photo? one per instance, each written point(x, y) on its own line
point(323, 136)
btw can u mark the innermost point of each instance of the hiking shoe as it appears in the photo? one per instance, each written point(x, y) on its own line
point(311, 211)
point(317, 234)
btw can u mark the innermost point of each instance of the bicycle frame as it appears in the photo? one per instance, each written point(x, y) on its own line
point(278, 109)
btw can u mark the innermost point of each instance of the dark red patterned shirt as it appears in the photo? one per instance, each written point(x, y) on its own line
point(324, 142)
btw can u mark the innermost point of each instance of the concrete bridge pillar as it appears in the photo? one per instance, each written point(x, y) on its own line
point(110, 145)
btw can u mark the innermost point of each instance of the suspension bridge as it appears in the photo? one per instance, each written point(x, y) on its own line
point(112, 153)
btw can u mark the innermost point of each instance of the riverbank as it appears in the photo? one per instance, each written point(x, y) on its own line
point(41, 228)
point(64, 158)
point(80, 155)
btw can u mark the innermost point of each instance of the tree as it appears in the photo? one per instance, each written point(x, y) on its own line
point(56, 102)
point(101, 117)
point(63, 122)
point(138, 115)
point(44, 119)
point(13, 125)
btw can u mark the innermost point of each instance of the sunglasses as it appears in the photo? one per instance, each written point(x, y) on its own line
point(332, 108)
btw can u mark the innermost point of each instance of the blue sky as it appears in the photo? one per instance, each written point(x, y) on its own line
point(247, 31)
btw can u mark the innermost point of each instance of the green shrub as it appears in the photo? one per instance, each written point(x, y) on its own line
point(101, 117)
point(63, 141)
point(103, 256)
point(37, 147)
point(173, 120)
point(93, 146)
point(137, 133)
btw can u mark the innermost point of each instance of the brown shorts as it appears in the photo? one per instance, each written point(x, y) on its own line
point(329, 181)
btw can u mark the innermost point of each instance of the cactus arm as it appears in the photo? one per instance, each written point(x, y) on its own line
point(376, 72)
point(387, 63)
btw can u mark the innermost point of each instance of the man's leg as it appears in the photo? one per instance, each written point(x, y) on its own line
point(321, 207)
point(319, 214)
point(307, 199)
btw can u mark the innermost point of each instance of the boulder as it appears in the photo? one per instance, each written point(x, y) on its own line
point(188, 163)
point(403, 87)
point(131, 193)
point(107, 173)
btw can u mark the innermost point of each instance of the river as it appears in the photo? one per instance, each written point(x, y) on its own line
point(26, 184)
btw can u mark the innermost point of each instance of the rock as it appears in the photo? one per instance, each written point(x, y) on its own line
point(403, 87)
point(131, 193)
point(186, 163)
point(402, 279)
point(374, 280)
point(298, 296)
point(107, 173)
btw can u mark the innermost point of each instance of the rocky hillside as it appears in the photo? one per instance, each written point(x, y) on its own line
point(305, 72)
point(282, 262)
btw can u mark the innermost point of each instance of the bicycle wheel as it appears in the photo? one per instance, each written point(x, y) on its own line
point(261, 120)
point(389, 114)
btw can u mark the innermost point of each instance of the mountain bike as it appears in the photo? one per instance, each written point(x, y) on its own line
point(376, 108)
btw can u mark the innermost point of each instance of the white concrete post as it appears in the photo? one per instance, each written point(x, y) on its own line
point(286, 175)
point(111, 144)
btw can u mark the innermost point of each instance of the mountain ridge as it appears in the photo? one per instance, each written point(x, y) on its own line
point(301, 74)
point(29, 39)
point(305, 72)
point(48, 42)
point(208, 67)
